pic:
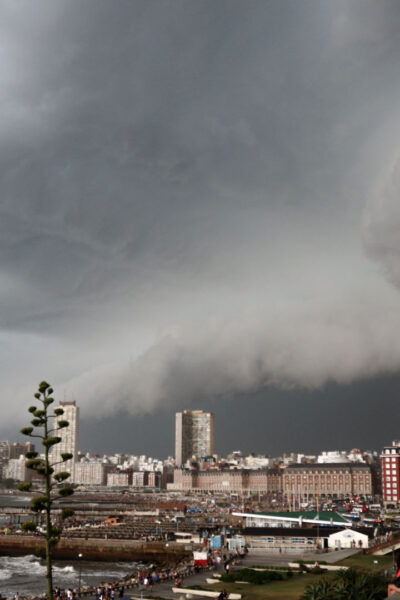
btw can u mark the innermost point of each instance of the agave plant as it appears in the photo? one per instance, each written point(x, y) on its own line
point(46, 426)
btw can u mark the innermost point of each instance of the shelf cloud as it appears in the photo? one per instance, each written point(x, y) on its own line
point(197, 200)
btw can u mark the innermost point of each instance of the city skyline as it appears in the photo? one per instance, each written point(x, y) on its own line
point(127, 433)
point(199, 209)
point(135, 435)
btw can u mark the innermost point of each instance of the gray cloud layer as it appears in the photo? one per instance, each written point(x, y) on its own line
point(191, 195)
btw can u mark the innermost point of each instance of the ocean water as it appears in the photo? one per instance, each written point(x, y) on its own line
point(27, 574)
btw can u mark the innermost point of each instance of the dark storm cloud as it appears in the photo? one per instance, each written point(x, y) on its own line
point(185, 192)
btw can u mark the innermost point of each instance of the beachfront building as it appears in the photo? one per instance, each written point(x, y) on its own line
point(194, 435)
point(300, 532)
point(239, 481)
point(317, 482)
point(293, 519)
point(350, 538)
point(69, 440)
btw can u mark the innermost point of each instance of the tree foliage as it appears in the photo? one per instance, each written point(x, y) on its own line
point(46, 426)
point(351, 583)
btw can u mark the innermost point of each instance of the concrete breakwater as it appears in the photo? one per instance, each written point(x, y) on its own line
point(97, 549)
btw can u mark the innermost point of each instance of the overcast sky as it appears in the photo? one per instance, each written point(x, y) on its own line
point(199, 208)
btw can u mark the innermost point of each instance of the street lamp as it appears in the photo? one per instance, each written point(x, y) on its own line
point(166, 548)
point(80, 572)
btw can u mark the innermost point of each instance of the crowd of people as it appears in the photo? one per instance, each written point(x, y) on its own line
point(143, 580)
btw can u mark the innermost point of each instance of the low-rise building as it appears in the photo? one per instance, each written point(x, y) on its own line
point(146, 479)
point(119, 478)
point(300, 532)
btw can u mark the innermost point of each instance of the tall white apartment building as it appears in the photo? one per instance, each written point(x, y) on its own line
point(69, 439)
point(194, 435)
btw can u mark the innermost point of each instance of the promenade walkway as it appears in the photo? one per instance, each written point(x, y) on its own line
point(164, 589)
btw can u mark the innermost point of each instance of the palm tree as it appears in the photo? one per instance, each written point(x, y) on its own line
point(348, 584)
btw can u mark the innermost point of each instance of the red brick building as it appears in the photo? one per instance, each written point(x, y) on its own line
point(302, 483)
point(390, 461)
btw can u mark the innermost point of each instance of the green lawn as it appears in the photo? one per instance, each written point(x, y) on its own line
point(368, 561)
point(292, 589)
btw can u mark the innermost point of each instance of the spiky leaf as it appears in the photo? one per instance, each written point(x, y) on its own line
point(62, 476)
point(43, 386)
point(26, 430)
point(33, 463)
point(29, 526)
point(66, 456)
point(31, 454)
point(51, 441)
point(32, 409)
point(58, 412)
point(24, 486)
point(66, 491)
point(38, 503)
point(67, 512)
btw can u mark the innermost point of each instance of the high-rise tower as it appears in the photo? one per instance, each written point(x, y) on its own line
point(194, 435)
point(390, 461)
point(69, 439)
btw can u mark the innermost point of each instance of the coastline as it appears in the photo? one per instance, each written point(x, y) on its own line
point(164, 577)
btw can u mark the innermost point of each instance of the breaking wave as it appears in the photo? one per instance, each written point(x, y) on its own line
point(26, 574)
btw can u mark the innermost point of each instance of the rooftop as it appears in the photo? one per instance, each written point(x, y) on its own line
point(322, 517)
